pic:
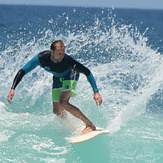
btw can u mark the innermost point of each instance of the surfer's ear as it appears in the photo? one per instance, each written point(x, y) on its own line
point(51, 51)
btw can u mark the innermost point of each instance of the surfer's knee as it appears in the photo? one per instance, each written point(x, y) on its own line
point(57, 112)
point(63, 104)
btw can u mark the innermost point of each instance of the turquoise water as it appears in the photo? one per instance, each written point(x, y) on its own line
point(123, 51)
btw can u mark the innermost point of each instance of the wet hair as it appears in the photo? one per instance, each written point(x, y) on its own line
point(55, 44)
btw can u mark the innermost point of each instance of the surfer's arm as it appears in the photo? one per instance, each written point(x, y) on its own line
point(27, 68)
point(34, 62)
point(18, 78)
point(82, 69)
point(92, 81)
point(16, 81)
point(97, 96)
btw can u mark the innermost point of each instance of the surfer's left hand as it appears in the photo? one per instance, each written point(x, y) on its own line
point(98, 98)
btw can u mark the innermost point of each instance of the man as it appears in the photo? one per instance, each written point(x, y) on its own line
point(65, 72)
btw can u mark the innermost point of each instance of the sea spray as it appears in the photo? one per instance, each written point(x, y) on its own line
point(125, 64)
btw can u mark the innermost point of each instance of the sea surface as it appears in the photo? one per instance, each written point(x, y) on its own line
point(124, 50)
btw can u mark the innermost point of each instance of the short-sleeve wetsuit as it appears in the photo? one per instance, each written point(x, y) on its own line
point(59, 70)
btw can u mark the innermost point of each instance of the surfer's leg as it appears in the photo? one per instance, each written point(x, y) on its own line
point(57, 109)
point(64, 103)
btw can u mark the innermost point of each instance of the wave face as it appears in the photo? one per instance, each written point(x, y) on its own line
point(123, 51)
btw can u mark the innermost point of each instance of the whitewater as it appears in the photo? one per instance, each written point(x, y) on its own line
point(123, 51)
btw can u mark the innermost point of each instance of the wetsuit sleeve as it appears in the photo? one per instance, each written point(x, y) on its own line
point(92, 81)
point(17, 78)
point(27, 68)
point(33, 63)
point(82, 69)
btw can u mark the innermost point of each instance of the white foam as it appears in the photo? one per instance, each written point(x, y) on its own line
point(127, 70)
point(5, 135)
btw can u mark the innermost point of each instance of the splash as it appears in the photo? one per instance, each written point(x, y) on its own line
point(127, 70)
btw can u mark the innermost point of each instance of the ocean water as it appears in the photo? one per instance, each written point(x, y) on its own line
point(124, 50)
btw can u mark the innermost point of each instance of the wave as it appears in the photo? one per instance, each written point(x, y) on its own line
point(128, 71)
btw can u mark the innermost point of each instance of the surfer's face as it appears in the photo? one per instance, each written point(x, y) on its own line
point(58, 54)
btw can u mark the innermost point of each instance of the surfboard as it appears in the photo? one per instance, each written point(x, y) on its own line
point(88, 136)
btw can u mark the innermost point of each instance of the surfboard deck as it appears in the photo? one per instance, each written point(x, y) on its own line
point(88, 136)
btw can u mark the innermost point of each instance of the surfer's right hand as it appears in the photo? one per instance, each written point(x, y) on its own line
point(11, 95)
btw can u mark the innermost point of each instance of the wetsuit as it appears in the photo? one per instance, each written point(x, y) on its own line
point(59, 70)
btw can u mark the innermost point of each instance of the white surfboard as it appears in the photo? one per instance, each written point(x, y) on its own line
point(90, 135)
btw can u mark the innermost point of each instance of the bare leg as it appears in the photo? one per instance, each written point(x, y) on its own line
point(64, 103)
point(58, 110)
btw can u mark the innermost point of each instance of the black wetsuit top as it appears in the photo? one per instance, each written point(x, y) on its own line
point(57, 69)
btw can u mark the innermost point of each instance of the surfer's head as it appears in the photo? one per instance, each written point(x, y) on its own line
point(57, 51)
point(55, 44)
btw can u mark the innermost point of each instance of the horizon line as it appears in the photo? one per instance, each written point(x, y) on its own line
point(50, 5)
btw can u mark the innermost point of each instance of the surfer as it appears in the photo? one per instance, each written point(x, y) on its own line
point(65, 72)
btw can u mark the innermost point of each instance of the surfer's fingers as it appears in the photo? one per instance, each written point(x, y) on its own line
point(9, 99)
point(96, 102)
point(10, 96)
point(100, 101)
